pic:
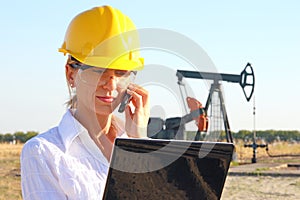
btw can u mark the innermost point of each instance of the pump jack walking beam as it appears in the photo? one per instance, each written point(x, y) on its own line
point(246, 78)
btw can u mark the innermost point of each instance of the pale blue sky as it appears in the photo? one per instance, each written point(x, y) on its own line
point(264, 33)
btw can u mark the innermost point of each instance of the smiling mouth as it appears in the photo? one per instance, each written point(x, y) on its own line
point(106, 99)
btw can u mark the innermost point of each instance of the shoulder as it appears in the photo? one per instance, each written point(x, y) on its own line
point(47, 142)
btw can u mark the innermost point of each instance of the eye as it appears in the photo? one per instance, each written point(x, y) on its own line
point(98, 71)
point(84, 67)
point(122, 73)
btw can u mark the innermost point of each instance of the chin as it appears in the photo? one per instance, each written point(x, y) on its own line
point(104, 109)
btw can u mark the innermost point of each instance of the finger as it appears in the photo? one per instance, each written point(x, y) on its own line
point(141, 91)
point(136, 99)
point(128, 113)
point(137, 88)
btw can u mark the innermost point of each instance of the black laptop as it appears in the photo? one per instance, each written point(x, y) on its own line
point(167, 169)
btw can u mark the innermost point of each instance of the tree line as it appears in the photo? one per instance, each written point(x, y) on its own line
point(268, 136)
point(17, 137)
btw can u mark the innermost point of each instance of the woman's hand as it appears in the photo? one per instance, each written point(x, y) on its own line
point(137, 117)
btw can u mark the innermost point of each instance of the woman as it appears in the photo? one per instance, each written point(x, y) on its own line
point(71, 161)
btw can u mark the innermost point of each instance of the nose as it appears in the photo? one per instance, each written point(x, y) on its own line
point(109, 81)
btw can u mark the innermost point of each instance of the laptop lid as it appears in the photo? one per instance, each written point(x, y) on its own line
point(167, 169)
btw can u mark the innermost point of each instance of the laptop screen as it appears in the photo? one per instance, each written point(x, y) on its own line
point(167, 169)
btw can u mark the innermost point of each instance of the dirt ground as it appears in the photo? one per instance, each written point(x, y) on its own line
point(261, 187)
point(269, 178)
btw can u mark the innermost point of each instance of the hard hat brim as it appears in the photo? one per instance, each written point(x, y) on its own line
point(112, 63)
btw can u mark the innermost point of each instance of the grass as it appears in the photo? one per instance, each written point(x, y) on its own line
point(280, 148)
point(262, 169)
point(10, 188)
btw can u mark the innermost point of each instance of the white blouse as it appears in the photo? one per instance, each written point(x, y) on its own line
point(63, 163)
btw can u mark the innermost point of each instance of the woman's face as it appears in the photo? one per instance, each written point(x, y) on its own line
point(101, 90)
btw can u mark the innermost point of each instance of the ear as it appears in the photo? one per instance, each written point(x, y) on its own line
point(70, 75)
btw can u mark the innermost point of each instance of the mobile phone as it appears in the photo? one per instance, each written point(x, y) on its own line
point(124, 102)
point(127, 97)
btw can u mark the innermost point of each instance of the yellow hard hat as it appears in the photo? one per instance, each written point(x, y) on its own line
point(103, 37)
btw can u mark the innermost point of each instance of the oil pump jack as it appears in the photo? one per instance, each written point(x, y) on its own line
point(174, 128)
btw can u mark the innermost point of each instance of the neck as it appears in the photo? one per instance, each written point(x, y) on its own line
point(99, 127)
point(96, 124)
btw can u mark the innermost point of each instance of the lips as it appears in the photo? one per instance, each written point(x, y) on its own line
point(106, 99)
